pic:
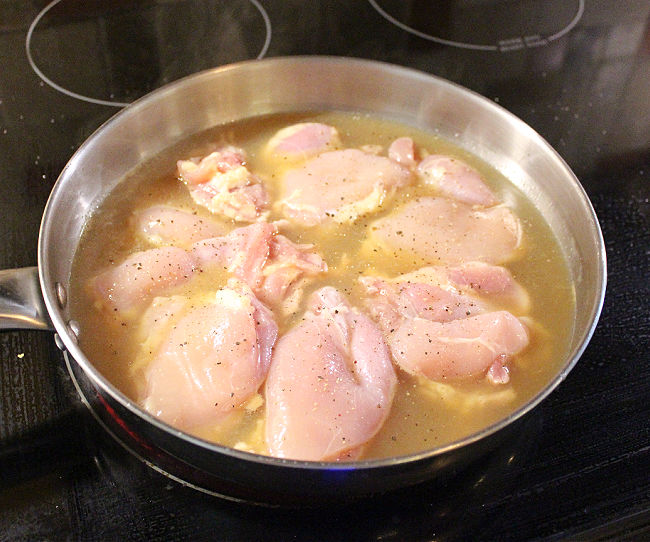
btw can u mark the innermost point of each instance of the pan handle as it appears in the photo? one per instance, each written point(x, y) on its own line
point(21, 300)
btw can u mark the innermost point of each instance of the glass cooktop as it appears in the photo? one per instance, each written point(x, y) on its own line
point(577, 71)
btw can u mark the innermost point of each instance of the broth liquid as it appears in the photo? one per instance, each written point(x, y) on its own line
point(423, 414)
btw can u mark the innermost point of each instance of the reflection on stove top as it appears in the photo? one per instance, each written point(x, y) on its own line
point(112, 53)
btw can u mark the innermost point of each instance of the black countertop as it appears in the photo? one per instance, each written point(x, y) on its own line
point(577, 72)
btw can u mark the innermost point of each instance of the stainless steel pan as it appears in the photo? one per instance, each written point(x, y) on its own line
point(201, 101)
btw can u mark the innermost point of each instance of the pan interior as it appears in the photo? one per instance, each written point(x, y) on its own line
point(221, 96)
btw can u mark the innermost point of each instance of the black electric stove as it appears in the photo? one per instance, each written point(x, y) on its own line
point(578, 71)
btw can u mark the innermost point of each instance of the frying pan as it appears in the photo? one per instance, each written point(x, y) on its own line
point(37, 297)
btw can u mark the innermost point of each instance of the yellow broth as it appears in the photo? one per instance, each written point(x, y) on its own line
point(424, 414)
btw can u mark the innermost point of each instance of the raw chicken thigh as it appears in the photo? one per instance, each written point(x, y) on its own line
point(439, 230)
point(212, 355)
point(222, 183)
point(331, 383)
point(272, 265)
point(340, 186)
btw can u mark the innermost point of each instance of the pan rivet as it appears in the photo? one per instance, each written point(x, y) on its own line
point(59, 342)
point(61, 295)
point(73, 330)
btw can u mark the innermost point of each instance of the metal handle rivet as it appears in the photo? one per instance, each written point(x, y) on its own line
point(73, 330)
point(59, 342)
point(61, 295)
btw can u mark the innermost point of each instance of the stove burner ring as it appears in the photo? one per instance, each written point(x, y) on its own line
point(56, 86)
point(511, 44)
point(120, 441)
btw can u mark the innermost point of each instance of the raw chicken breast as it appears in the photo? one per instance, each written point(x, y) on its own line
point(303, 140)
point(444, 293)
point(455, 179)
point(460, 343)
point(491, 283)
point(402, 150)
point(391, 301)
point(341, 186)
point(142, 276)
point(439, 230)
point(331, 383)
point(222, 183)
point(272, 265)
point(213, 356)
point(166, 225)
point(460, 348)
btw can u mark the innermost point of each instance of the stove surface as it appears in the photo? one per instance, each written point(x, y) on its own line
point(577, 71)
